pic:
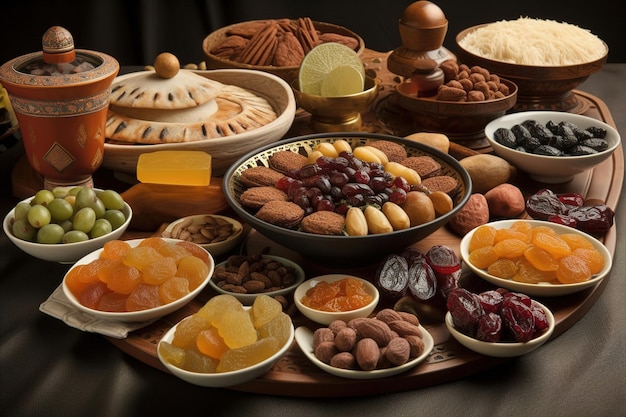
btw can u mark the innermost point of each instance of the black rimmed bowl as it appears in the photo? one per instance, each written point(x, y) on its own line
point(342, 250)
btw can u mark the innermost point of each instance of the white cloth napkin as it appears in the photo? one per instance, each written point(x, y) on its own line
point(58, 306)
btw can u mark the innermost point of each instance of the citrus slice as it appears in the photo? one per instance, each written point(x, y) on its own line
point(342, 81)
point(321, 60)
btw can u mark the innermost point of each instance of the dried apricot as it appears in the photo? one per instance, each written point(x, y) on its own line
point(503, 268)
point(216, 307)
point(153, 242)
point(531, 275)
point(483, 257)
point(159, 271)
point(237, 329)
point(143, 297)
point(482, 236)
point(264, 309)
point(248, 355)
point(521, 226)
point(124, 279)
point(577, 241)
point(187, 331)
point(195, 361)
point(73, 281)
point(141, 256)
point(279, 328)
point(210, 343)
point(510, 248)
point(592, 257)
point(572, 269)
point(341, 295)
point(194, 269)
point(175, 251)
point(552, 244)
point(504, 234)
point(541, 259)
point(90, 296)
point(113, 302)
point(173, 289)
point(115, 249)
point(195, 250)
point(172, 354)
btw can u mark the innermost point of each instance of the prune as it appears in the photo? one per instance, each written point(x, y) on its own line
point(446, 266)
point(541, 320)
point(465, 309)
point(412, 255)
point(541, 132)
point(582, 134)
point(521, 133)
point(505, 137)
point(580, 150)
point(597, 132)
point(596, 144)
point(393, 276)
point(489, 328)
point(422, 281)
point(563, 219)
point(547, 150)
point(541, 206)
point(531, 143)
point(571, 199)
point(518, 319)
point(593, 219)
point(491, 301)
point(518, 296)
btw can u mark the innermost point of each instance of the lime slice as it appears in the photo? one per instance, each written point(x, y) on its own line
point(321, 60)
point(342, 81)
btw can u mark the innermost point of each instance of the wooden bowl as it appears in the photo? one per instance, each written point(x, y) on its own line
point(288, 73)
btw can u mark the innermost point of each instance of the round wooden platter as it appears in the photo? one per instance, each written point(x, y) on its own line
point(295, 375)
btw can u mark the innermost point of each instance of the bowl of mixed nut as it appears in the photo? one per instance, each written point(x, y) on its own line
point(276, 46)
point(217, 234)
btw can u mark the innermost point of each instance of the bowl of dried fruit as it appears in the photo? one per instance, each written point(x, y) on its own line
point(497, 322)
point(276, 46)
point(217, 234)
point(245, 277)
point(327, 210)
point(545, 58)
point(247, 342)
point(536, 257)
point(40, 225)
point(138, 280)
point(552, 147)
point(461, 107)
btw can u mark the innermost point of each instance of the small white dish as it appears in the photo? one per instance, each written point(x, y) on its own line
point(135, 316)
point(327, 317)
point(304, 339)
point(541, 289)
point(248, 299)
point(215, 249)
point(223, 379)
point(502, 349)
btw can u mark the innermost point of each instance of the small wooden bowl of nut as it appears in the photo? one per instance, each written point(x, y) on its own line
point(217, 234)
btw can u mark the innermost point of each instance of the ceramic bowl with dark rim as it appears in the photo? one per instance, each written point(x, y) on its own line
point(342, 249)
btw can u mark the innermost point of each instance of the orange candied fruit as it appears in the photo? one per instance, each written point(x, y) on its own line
point(592, 257)
point(572, 269)
point(210, 343)
point(505, 234)
point(503, 268)
point(541, 259)
point(345, 294)
point(483, 257)
point(115, 249)
point(552, 244)
point(510, 248)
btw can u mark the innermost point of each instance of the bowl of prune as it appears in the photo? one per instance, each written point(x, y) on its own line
point(552, 147)
point(498, 322)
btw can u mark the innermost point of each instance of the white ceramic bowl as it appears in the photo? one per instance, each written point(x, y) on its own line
point(215, 249)
point(135, 316)
point(542, 289)
point(223, 379)
point(502, 349)
point(248, 299)
point(123, 158)
point(63, 252)
point(327, 317)
point(304, 338)
point(550, 169)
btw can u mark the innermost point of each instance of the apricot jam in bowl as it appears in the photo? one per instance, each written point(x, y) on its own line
point(138, 280)
point(326, 298)
point(535, 257)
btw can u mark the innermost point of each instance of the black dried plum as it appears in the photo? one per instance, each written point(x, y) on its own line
point(491, 301)
point(594, 220)
point(521, 133)
point(529, 123)
point(554, 128)
point(393, 276)
point(547, 150)
point(542, 205)
point(531, 143)
point(505, 137)
point(596, 144)
point(446, 266)
point(541, 319)
point(541, 132)
point(579, 150)
point(583, 134)
point(489, 328)
point(465, 309)
point(518, 319)
point(597, 132)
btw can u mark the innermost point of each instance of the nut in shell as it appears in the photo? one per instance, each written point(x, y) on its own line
point(216, 233)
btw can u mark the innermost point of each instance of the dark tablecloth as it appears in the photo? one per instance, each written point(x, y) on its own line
point(49, 369)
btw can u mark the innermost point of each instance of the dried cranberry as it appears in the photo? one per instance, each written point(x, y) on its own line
point(541, 319)
point(491, 301)
point(489, 328)
point(465, 309)
point(518, 319)
point(523, 298)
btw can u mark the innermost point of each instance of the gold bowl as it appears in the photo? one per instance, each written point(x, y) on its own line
point(337, 114)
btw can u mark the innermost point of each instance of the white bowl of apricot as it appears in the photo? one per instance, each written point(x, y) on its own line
point(535, 257)
point(226, 343)
point(326, 298)
point(138, 280)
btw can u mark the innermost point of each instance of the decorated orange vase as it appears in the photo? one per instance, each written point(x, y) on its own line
point(60, 97)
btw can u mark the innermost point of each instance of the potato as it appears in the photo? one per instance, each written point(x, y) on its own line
point(487, 171)
point(505, 201)
point(436, 140)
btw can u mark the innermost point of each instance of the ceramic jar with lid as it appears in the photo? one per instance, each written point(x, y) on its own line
point(60, 96)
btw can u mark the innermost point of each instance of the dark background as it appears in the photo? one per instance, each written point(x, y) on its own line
point(135, 31)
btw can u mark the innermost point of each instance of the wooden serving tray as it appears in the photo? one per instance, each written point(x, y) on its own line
point(295, 375)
